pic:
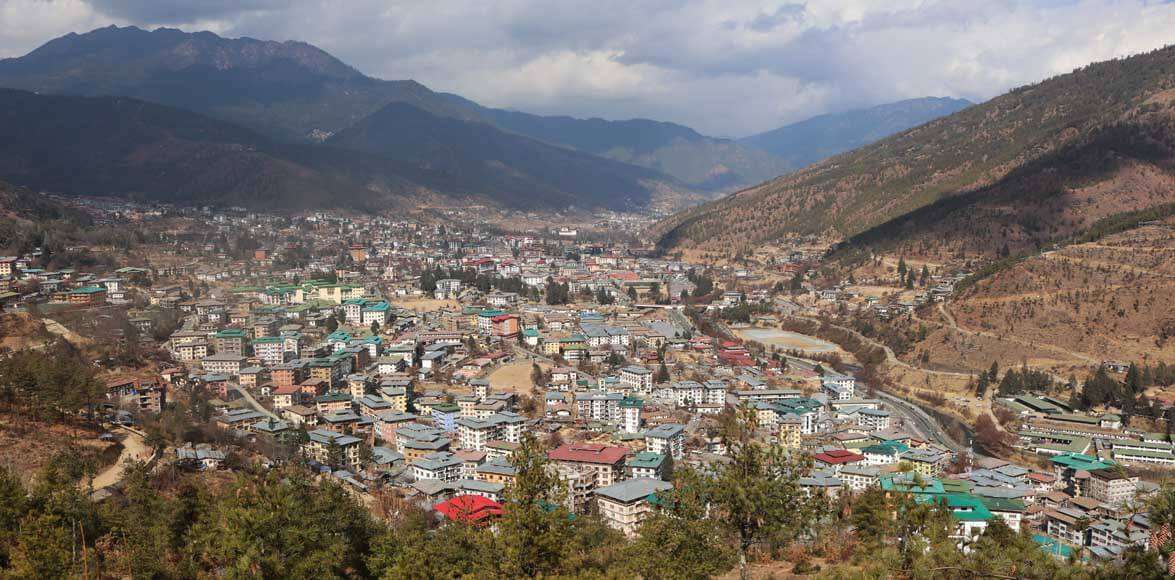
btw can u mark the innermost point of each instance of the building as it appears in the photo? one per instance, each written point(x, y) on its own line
point(230, 341)
point(646, 464)
point(270, 349)
point(667, 439)
point(471, 509)
point(623, 506)
point(873, 419)
point(636, 379)
point(839, 387)
point(630, 414)
point(602, 465)
point(599, 406)
point(328, 446)
point(223, 363)
point(445, 415)
point(1112, 486)
point(442, 466)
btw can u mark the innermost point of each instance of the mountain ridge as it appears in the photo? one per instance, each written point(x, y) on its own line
point(806, 142)
point(974, 150)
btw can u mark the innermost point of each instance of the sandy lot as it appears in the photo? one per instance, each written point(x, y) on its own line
point(425, 304)
point(786, 340)
point(514, 377)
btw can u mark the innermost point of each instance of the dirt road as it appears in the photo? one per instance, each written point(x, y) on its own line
point(133, 447)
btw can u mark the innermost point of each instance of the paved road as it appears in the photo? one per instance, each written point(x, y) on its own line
point(928, 426)
point(254, 404)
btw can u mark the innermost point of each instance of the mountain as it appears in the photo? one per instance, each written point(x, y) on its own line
point(122, 146)
point(804, 143)
point(289, 90)
point(1031, 166)
point(400, 155)
point(281, 97)
point(517, 168)
point(679, 151)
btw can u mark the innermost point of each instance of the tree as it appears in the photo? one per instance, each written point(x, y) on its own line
point(281, 525)
point(662, 373)
point(797, 282)
point(924, 278)
point(632, 293)
point(902, 268)
point(332, 324)
point(375, 327)
point(679, 541)
point(757, 493)
point(535, 528)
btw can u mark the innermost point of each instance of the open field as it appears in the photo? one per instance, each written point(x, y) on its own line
point(514, 377)
point(425, 304)
point(786, 340)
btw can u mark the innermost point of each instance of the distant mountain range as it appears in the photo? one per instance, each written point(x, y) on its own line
point(804, 143)
point(1032, 166)
point(289, 98)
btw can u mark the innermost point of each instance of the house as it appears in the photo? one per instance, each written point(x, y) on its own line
point(623, 506)
point(199, 457)
point(470, 509)
point(667, 439)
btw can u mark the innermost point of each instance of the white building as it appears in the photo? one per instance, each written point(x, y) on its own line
point(667, 439)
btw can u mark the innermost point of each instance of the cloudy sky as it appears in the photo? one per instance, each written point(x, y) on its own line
point(725, 67)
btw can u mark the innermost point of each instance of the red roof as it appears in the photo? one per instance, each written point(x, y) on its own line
point(470, 509)
point(588, 453)
point(838, 456)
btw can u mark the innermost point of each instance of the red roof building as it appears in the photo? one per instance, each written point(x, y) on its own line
point(838, 457)
point(602, 464)
point(588, 453)
point(470, 509)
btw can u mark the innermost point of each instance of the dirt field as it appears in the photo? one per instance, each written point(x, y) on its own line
point(425, 304)
point(514, 377)
point(786, 340)
point(27, 446)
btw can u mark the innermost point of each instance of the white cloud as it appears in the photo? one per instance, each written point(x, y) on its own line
point(725, 67)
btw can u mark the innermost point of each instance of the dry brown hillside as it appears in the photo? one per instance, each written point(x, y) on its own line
point(1023, 152)
point(1113, 299)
